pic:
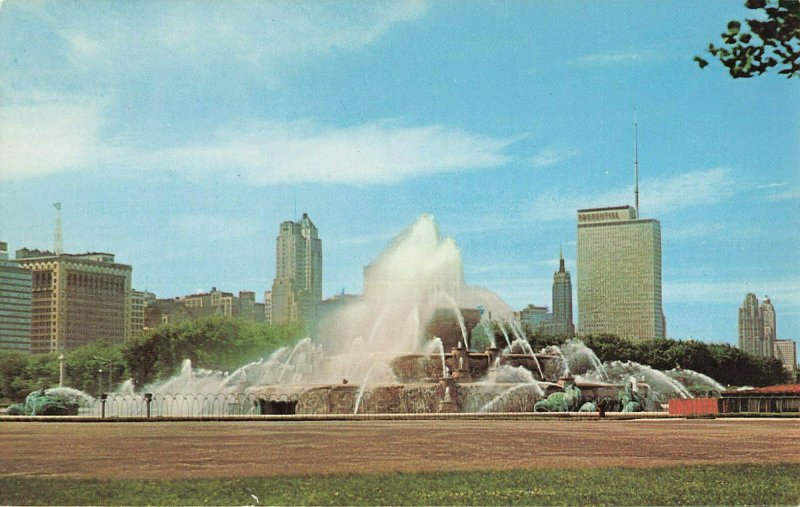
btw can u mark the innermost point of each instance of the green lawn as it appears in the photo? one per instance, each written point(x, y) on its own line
point(695, 485)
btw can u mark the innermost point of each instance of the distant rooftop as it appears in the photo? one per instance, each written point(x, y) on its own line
point(778, 389)
point(27, 253)
point(609, 214)
point(586, 210)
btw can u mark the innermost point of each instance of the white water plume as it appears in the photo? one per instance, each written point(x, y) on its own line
point(580, 359)
point(661, 385)
point(695, 381)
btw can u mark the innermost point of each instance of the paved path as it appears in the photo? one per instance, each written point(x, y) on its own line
point(243, 449)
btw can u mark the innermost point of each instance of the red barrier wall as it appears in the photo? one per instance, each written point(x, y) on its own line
point(694, 406)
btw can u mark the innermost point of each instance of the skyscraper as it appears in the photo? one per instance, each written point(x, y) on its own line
point(757, 329)
point(770, 325)
point(15, 305)
point(786, 352)
point(751, 326)
point(76, 299)
point(619, 274)
point(562, 301)
point(297, 288)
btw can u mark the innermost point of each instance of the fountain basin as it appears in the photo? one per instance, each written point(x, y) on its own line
point(410, 368)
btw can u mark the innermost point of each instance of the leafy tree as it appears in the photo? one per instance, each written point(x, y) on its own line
point(82, 367)
point(20, 374)
point(771, 40)
point(219, 343)
point(722, 362)
point(12, 368)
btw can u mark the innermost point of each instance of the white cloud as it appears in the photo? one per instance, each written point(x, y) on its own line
point(207, 227)
point(378, 152)
point(772, 185)
point(790, 194)
point(657, 195)
point(47, 134)
point(662, 195)
point(246, 32)
point(552, 156)
point(616, 57)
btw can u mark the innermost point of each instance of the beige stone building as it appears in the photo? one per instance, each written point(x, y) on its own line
point(297, 288)
point(76, 299)
point(786, 351)
point(757, 327)
point(619, 274)
point(201, 305)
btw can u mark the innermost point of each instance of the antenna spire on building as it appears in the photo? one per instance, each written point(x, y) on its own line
point(59, 233)
point(561, 268)
point(636, 163)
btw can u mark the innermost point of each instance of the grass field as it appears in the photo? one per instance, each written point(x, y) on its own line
point(775, 484)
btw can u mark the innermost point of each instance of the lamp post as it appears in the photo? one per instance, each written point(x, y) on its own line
point(61, 370)
point(109, 368)
point(100, 380)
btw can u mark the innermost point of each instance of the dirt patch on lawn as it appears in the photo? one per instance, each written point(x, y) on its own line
point(167, 450)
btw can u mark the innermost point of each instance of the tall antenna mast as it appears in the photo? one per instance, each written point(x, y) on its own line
point(59, 234)
point(636, 162)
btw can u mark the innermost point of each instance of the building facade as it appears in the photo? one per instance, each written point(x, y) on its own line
point(757, 336)
point(15, 304)
point(770, 323)
point(786, 351)
point(619, 274)
point(297, 288)
point(268, 307)
point(561, 323)
point(140, 300)
point(137, 313)
point(204, 304)
point(537, 317)
point(76, 299)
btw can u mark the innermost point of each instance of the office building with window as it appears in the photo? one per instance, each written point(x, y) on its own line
point(15, 304)
point(297, 288)
point(76, 299)
point(619, 274)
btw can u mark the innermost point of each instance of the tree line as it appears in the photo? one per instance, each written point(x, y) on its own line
point(218, 343)
point(223, 343)
point(722, 362)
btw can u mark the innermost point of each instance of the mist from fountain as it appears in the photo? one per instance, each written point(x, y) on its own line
point(438, 347)
point(562, 366)
point(695, 381)
point(459, 318)
point(661, 385)
point(505, 333)
point(75, 395)
point(363, 388)
point(487, 329)
point(580, 359)
point(526, 349)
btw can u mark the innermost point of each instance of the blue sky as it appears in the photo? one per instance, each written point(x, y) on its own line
point(179, 134)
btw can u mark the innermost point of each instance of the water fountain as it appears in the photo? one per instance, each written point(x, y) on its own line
point(416, 280)
point(405, 347)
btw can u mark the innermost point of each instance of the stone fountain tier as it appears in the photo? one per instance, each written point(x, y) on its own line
point(342, 398)
point(474, 365)
point(399, 398)
point(445, 395)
